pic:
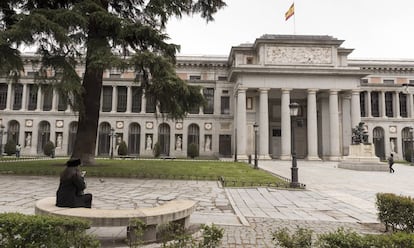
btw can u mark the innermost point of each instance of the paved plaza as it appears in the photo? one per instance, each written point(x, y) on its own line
point(333, 198)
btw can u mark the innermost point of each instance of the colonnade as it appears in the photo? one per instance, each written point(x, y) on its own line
point(312, 123)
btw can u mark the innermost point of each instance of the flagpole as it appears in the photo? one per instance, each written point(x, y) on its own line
point(294, 22)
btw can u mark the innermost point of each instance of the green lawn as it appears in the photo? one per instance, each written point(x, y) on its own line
point(234, 174)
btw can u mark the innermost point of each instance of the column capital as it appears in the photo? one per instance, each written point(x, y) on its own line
point(356, 91)
point(264, 90)
point(286, 90)
point(312, 91)
point(242, 89)
point(333, 91)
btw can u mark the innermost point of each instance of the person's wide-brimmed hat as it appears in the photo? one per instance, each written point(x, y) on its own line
point(73, 162)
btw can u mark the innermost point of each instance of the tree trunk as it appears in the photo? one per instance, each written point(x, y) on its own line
point(85, 142)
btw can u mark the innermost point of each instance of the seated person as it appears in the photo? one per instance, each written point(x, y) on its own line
point(71, 186)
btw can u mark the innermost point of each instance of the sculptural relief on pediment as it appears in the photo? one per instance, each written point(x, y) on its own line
point(288, 55)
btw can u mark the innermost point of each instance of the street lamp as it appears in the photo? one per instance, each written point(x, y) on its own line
point(412, 145)
point(112, 142)
point(1, 139)
point(294, 110)
point(256, 128)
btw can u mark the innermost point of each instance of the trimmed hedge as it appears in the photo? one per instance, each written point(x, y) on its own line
point(30, 231)
point(341, 238)
point(122, 149)
point(396, 212)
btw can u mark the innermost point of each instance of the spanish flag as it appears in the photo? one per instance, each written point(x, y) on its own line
point(290, 12)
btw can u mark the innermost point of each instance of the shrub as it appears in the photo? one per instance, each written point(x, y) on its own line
point(342, 238)
point(136, 230)
point(49, 149)
point(19, 230)
point(395, 211)
point(157, 150)
point(10, 147)
point(173, 235)
point(192, 151)
point(349, 239)
point(301, 238)
point(122, 149)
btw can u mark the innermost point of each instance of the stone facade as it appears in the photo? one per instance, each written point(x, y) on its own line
point(254, 84)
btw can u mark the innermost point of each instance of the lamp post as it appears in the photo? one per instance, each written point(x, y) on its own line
point(112, 142)
point(412, 145)
point(256, 128)
point(294, 109)
point(1, 139)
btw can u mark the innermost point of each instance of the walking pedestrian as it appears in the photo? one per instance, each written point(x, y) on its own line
point(391, 163)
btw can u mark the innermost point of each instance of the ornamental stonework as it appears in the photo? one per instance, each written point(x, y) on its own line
point(277, 55)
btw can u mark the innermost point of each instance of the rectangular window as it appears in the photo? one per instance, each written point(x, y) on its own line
point(403, 105)
point(150, 104)
point(209, 96)
point(122, 99)
point(195, 77)
point(388, 105)
point(32, 97)
point(3, 96)
point(375, 103)
point(114, 75)
point(47, 98)
point(32, 73)
point(364, 80)
point(136, 100)
point(18, 93)
point(62, 103)
point(107, 99)
point(249, 103)
point(225, 105)
point(362, 103)
point(222, 78)
point(388, 81)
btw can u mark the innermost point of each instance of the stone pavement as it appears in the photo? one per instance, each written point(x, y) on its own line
point(333, 198)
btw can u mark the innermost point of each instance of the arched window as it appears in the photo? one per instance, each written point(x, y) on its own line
point(193, 136)
point(13, 131)
point(73, 128)
point(134, 137)
point(104, 138)
point(43, 135)
point(164, 139)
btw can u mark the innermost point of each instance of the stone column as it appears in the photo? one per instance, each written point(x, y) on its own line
point(264, 124)
point(397, 112)
point(39, 106)
point(369, 111)
point(410, 105)
point(355, 109)
point(143, 103)
point(312, 126)
point(241, 123)
point(114, 99)
point(334, 125)
point(129, 99)
point(54, 100)
point(286, 126)
point(24, 98)
point(382, 104)
point(9, 97)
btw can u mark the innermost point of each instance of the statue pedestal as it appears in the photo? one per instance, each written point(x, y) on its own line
point(362, 157)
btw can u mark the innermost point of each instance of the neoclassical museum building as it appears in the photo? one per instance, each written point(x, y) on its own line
point(254, 84)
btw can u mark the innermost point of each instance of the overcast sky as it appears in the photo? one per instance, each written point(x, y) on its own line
point(374, 28)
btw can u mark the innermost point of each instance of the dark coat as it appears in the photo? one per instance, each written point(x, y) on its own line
point(70, 191)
